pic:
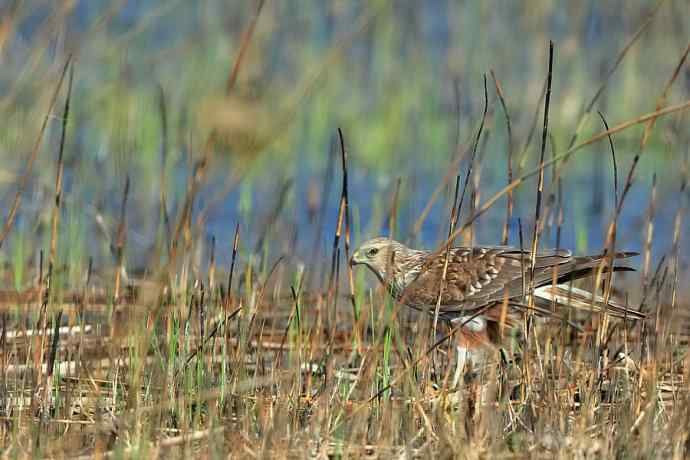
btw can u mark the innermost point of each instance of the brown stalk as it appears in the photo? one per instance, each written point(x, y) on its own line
point(334, 312)
point(392, 224)
point(650, 122)
point(163, 212)
point(610, 247)
point(393, 216)
point(53, 247)
point(199, 170)
point(298, 319)
point(509, 203)
point(40, 341)
point(474, 148)
point(205, 340)
point(426, 354)
point(335, 269)
point(661, 102)
point(23, 182)
point(678, 220)
point(121, 239)
point(258, 302)
point(246, 40)
point(417, 227)
point(453, 221)
point(476, 193)
point(294, 313)
point(184, 221)
point(343, 218)
point(235, 245)
point(360, 25)
point(647, 253)
point(55, 218)
point(287, 115)
point(7, 23)
point(274, 215)
point(326, 184)
point(212, 266)
point(228, 294)
point(540, 184)
point(613, 159)
point(455, 212)
point(346, 202)
point(597, 137)
point(558, 199)
point(336, 240)
point(522, 255)
point(53, 352)
point(612, 70)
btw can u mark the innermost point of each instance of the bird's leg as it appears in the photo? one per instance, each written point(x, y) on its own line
point(461, 359)
point(472, 333)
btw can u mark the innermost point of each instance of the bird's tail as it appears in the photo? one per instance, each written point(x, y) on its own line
point(566, 295)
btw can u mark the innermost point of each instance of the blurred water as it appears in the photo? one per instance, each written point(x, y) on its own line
point(391, 90)
point(584, 227)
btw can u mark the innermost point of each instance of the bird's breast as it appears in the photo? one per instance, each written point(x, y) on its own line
point(399, 282)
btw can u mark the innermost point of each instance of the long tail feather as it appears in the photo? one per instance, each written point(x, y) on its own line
point(569, 296)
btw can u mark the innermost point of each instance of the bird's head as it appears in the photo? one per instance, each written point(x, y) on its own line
point(380, 254)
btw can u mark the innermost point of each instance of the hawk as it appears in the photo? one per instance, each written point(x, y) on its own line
point(479, 281)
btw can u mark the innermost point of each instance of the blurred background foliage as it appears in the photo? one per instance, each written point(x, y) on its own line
point(403, 79)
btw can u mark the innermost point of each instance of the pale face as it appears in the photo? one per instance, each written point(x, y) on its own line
point(377, 254)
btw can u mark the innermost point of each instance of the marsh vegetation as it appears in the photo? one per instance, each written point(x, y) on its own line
point(183, 185)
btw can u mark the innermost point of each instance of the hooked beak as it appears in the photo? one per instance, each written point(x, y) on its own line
point(355, 259)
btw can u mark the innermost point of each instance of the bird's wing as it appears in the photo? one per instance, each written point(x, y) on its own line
point(473, 277)
point(477, 277)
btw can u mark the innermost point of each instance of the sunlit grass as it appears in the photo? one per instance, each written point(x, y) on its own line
point(174, 361)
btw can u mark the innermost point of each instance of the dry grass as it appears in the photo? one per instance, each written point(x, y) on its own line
point(240, 349)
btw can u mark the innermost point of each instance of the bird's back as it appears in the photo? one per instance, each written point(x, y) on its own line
point(479, 277)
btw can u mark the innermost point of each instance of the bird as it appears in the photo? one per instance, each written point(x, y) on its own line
point(481, 281)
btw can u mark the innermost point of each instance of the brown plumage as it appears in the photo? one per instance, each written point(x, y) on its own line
point(483, 278)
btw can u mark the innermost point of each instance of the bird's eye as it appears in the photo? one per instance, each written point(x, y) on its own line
point(372, 252)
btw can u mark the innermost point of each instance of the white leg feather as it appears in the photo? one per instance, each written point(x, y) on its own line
point(462, 356)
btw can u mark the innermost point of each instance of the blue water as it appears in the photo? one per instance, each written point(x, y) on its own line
point(583, 230)
point(587, 188)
